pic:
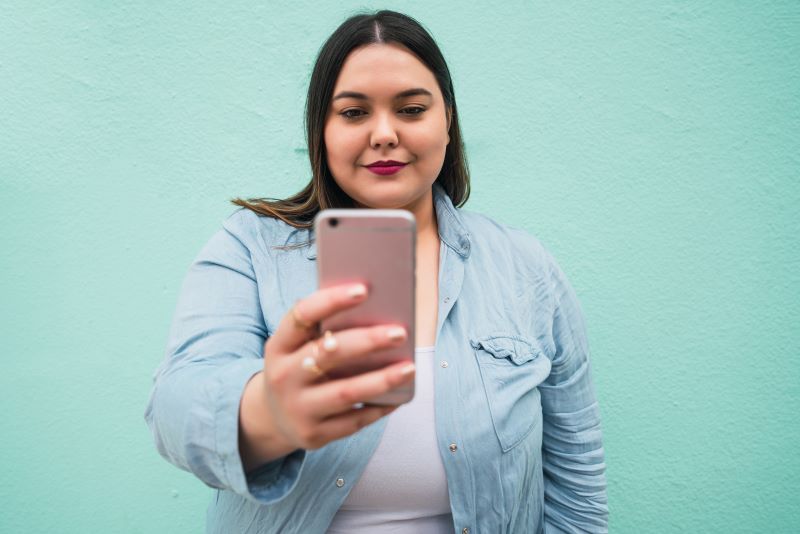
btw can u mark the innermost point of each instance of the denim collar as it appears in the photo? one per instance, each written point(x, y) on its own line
point(451, 226)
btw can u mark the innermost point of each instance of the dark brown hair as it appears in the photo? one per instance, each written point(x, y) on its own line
point(322, 192)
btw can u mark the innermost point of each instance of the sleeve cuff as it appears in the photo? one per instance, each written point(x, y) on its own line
point(268, 483)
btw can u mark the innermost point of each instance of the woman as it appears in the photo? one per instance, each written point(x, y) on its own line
point(503, 434)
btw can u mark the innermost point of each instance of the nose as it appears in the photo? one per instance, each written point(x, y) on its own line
point(384, 132)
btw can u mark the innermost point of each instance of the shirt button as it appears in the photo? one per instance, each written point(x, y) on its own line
point(339, 482)
point(443, 364)
point(446, 300)
point(453, 447)
point(465, 531)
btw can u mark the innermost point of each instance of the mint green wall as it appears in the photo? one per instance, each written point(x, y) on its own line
point(652, 146)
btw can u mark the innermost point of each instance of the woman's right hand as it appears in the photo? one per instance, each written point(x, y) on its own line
point(288, 406)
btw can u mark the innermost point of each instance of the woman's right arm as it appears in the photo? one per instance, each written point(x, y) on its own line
point(214, 349)
point(228, 398)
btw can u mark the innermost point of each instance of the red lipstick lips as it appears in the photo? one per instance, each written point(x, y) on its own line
point(385, 167)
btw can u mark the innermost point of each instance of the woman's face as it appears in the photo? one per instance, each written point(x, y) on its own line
point(386, 105)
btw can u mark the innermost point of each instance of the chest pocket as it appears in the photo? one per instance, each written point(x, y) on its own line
point(511, 367)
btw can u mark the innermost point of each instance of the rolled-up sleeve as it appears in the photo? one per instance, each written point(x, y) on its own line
point(572, 445)
point(215, 346)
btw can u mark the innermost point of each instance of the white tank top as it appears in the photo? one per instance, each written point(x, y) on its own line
point(403, 488)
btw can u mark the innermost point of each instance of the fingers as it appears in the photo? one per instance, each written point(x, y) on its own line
point(350, 422)
point(348, 346)
point(315, 414)
point(338, 396)
point(301, 321)
point(333, 428)
point(333, 404)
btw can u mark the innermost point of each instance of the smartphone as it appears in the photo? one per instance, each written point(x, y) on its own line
point(377, 248)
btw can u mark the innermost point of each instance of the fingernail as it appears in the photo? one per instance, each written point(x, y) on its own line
point(408, 369)
point(357, 291)
point(396, 333)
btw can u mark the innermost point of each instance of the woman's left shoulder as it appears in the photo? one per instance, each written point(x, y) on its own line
point(495, 237)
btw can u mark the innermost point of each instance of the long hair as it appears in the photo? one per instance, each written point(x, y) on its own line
point(322, 191)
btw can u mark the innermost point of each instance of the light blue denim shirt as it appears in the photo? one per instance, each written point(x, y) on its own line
point(515, 398)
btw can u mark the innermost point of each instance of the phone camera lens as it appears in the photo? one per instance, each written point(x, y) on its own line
point(334, 222)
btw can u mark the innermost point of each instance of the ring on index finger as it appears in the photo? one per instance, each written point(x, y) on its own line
point(299, 322)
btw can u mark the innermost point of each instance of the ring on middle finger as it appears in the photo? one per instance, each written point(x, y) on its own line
point(309, 363)
point(329, 341)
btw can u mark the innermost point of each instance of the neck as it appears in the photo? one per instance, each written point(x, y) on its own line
point(425, 214)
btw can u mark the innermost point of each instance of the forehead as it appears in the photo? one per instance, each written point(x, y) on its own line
point(384, 66)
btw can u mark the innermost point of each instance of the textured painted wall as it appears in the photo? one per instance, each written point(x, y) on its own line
point(652, 146)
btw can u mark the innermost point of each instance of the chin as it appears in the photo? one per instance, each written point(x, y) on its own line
point(382, 202)
point(395, 196)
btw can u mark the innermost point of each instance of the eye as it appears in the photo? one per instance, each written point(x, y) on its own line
point(351, 113)
point(413, 110)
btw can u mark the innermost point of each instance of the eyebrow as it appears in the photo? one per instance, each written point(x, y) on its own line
point(403, 94)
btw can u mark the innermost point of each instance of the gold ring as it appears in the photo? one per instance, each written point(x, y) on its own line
point(299, 321)
point(329, 342)
point(309, 363)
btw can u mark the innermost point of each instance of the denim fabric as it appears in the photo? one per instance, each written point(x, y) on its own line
point(515, 397)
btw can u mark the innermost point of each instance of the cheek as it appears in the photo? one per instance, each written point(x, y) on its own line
point(430, 151)
point(430, 137)
point(341, 146)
